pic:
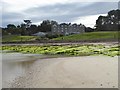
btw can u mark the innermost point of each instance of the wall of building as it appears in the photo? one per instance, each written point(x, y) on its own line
point(68, 29)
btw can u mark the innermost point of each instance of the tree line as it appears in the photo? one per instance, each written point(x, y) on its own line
point(111, 22)
point(27, 28)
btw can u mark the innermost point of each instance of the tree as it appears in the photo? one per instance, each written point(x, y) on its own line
point(53, 22)
point(27, 26)
point(4, 31)
point(110, 22)
point(33, 29)
point(46, 25)
point(22, 29)
point(89, 29)
point(28, 23)
point(11, 28)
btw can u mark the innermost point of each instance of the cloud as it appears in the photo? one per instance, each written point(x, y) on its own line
point(19, 5)
point(69, 12)
point(60, 10)
point(88, 21)
point(11, 18)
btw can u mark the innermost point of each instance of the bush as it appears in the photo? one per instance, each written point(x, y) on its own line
point(52, 36)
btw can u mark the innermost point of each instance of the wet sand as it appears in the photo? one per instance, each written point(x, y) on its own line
point(69, 72)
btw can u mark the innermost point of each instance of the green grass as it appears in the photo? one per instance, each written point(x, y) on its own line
point(91, 36)
point(69, 50)
point(107, 35)
point(17, 38)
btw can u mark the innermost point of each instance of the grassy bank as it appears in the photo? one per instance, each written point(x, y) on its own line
point(70, 50)
point(110, 35)
point(17, 38)
point(97, 36)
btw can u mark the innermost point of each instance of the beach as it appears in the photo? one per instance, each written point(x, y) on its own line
point(67, 72)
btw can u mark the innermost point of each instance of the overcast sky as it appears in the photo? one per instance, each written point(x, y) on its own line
point(74, 11)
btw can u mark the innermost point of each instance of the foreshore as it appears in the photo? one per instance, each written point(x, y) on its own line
point(69, 43)
point(70, 72)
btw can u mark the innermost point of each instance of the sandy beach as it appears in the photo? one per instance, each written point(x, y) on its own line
point(70, 72)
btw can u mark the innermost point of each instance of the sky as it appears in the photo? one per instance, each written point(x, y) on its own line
point(68, 11)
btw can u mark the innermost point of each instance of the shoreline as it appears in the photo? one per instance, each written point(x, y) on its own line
point(70, 43)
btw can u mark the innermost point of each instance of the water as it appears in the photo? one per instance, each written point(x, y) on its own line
point(15, 65)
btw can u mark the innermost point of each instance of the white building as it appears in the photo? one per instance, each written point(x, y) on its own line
point(67, 29)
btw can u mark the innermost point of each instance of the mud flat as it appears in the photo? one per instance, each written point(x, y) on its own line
point(68, 72)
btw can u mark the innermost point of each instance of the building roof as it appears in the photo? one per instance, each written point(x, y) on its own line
point(40, 34)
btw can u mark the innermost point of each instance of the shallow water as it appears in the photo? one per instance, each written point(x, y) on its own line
point(15, 65)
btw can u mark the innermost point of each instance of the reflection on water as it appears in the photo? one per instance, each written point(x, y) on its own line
point(15, 65)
